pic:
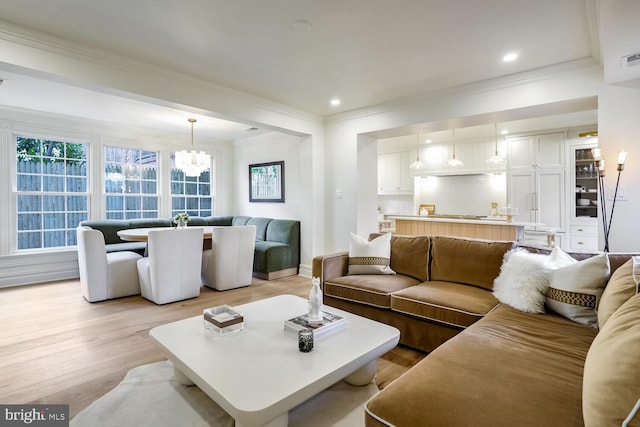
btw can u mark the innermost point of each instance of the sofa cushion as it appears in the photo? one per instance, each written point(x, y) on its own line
point(524, 278)
point(272, 256)
point(612, 370)
point(451, 303)
point(620, 288)
point(284, 231)
point(370, 257)
point(374, 290)
point(574, 290)
point(471, 261)
point(197, 221)
point(240, 220)
point(109, 228)
point(138, 247)
point(261, 227)
point(219, 220)
point(508, 369)
point(150, 222)
point(410, 256)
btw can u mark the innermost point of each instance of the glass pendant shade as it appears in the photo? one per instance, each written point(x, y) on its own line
point(453, 161)
point(496, 158)
point(193, 162)
point(417, 164)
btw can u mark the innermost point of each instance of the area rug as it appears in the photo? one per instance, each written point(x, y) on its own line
point(149, 396)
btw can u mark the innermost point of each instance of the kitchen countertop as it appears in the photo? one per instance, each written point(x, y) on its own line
point(500, 221)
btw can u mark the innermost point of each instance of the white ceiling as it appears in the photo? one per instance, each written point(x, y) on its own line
point(366, 52)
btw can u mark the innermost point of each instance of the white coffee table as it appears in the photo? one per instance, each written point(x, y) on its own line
point(257, 375)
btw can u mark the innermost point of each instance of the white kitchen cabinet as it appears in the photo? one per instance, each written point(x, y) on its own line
point(473, 154)
point(393, 173)
point(583, 185)
point(539, 196)
point(545, 151)
point(434, 158)
point(584, 237)
point(536, 183)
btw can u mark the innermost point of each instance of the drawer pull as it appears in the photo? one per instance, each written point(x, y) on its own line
point(580, 229)
point(581, 243)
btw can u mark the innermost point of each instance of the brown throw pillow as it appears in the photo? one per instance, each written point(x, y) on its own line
point(611, 384)
point(619, 289)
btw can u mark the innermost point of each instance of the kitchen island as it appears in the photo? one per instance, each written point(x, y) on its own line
point(459, 226)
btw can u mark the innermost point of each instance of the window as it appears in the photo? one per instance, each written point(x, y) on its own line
point(131, 183)
point(51, 192)
point(190, 194)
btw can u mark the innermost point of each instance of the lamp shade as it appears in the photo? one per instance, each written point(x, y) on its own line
point(622, 157)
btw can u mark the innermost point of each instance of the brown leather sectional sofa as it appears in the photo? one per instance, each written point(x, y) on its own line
point(489, 364)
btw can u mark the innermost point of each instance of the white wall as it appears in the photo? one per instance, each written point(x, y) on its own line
point(618, 128)
point(294, 151)
point(464, 194)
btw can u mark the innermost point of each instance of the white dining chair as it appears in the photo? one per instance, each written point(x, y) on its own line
point(229, 262)
point(171, 272)
point(105, 275)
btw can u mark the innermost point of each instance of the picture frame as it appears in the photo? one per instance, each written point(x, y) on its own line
point(266, 182)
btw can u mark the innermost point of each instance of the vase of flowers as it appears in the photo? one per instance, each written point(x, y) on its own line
point(181, 220)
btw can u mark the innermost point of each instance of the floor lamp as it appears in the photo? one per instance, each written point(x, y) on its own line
point(599, 162)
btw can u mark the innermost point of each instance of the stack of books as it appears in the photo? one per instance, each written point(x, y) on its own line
point(330, 323)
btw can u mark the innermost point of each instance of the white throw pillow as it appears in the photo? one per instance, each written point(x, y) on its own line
point(522, 281)
point(370, 257)
point(524, 278)
point(575, 290)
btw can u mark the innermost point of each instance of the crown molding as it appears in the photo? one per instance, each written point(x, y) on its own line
point(70, 49)
point(512, 80)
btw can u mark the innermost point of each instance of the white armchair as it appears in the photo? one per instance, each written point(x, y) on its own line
point(229, 262)
point(105, 275)
point(171, 271)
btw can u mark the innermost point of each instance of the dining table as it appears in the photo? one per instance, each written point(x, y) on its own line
point(142, 235)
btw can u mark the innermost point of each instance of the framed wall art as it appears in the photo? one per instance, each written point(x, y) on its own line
point(266, 182)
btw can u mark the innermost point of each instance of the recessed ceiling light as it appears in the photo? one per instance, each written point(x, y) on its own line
point(335, 101)
point(504, 132)
point(427, 141)
point(510, 57)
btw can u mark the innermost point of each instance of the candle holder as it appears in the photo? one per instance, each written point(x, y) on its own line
point(305, 340)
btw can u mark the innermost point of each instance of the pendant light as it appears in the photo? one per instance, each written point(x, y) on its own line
point(417, 164)
point(453, 161)
point(496, 158)
point(192, 163)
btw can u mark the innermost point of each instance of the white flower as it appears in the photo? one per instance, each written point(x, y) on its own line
point(181, 218)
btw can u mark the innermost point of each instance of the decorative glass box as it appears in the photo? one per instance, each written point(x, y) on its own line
point(222, 319)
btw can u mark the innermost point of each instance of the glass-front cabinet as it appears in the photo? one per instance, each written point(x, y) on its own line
point(584, 206)
point(586, 182)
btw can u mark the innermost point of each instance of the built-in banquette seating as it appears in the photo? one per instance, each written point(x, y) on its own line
point(491, 364)
point(277, 247)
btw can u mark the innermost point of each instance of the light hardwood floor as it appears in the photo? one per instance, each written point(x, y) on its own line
point(55, 347)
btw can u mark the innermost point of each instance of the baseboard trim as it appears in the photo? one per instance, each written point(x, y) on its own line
point(276, 274)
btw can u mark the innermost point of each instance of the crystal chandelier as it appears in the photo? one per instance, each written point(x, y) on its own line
point(192, 163)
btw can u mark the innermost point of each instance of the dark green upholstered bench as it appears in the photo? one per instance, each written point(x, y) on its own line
point(277, 251)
